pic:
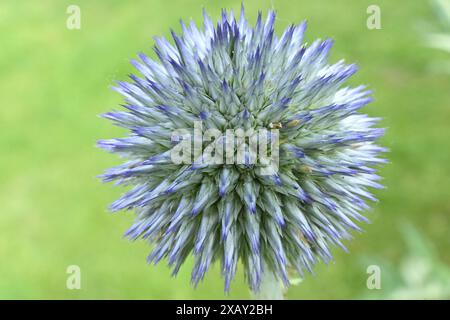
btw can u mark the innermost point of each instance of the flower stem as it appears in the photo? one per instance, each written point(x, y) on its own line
point(271, 288)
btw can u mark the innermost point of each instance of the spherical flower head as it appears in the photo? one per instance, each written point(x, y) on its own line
point(289, 184)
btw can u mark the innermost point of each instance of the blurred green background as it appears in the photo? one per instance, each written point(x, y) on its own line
point(55, 82)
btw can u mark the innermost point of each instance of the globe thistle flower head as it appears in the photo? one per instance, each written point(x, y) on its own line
point(272, 212)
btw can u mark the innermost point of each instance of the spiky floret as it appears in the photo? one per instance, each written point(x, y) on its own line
point(235, 75)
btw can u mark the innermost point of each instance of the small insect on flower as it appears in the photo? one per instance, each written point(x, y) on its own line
point(308, 153)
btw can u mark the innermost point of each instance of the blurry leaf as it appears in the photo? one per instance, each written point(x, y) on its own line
point(295, 281)
point(442, 11)
point(439, 41)
point(416, 244)
point(420, 274)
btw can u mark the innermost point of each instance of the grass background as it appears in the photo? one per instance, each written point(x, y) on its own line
point(54, 82)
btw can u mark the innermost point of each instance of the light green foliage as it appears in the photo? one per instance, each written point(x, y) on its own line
point(420, 273)
point(440, 39)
